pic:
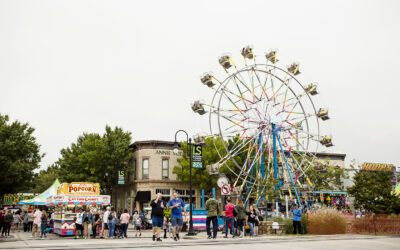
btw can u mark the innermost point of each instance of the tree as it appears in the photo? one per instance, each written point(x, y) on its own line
point(45, 178)
point(19, 155)
point(211, 149)
point(372, 191)
point(94, 155)
point(325, 177)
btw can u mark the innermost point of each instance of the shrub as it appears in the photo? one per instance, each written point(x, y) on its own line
point(288, 224)
point(326, 221)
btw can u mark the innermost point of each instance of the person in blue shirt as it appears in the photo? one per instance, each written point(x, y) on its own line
point(176, 204)
point(296, 219)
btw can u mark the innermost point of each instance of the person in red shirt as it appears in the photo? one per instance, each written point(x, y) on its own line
point(229, 218)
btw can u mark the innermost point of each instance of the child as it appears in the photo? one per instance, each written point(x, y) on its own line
point(137, 223)
point(98, 224)
point(171, 230)
point(165, 227)
point(105, 231)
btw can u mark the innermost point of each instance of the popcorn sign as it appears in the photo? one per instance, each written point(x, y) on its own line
point(80, 188)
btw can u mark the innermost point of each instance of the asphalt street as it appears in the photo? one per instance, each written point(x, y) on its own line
point(23, 241)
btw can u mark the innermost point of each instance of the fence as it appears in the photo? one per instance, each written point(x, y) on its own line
point(376, 224)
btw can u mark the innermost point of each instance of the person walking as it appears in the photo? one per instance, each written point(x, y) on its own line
point(16, 220)
point(137, 223)
point(26, 221)
point(43, 225)
point(30, 221)
point(240, 218)
point(229, 218)
point(79, 224)
point(176, 204)
point(252, 219)
point(213, 210)
point(157, 216)
point(112, 221)
point(88, 221)
point(2, 225)
point(97, 227)
point(8, 219)
point(37, 219)
point(124, 218)
point(105, 225)
point(296, 219)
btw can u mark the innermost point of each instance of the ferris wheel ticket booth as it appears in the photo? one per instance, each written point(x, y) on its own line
point(70, 198)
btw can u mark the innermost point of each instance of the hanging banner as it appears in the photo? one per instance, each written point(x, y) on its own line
point(75, 199)
point(197, 156)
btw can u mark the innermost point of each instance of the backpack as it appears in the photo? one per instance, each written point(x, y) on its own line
point(235, 213)
point(110, 217)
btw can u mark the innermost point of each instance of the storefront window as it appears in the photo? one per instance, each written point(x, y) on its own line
point(180, 191)
point(163, 191)
point(145, 169)
point(165, 168)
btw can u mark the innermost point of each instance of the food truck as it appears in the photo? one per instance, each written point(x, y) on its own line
point(70, 198)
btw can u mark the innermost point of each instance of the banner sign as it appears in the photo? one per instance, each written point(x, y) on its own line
point(79, 188)
point(121, 177)
point(197, 156)
point(12, 199)
point(72, 199)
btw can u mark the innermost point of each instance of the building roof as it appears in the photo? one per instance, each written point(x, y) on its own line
point(341, 155)
point(324, 154)
point(151, 144)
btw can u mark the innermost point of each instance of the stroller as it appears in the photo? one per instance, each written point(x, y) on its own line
point(118, 230)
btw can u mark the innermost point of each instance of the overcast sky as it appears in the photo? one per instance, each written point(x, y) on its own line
point(69, 67)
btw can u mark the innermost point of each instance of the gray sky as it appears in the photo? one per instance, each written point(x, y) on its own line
point(69, 67)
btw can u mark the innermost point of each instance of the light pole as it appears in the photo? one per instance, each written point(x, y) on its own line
point(191, 231)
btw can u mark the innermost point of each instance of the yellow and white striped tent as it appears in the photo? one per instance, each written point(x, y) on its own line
point(377, 167)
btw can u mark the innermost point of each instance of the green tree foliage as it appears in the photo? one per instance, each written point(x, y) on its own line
point(90, 158)
point(213, 151)
point(201, 178)
point(19, 155)
point(372, 191)
point(325, 177)
point(45, 178)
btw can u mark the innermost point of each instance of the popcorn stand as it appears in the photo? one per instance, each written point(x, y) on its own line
point(70, 198)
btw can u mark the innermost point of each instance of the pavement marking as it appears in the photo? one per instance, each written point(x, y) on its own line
point(171, 244)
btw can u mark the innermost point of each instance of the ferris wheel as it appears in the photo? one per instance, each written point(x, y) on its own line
point(265, 114)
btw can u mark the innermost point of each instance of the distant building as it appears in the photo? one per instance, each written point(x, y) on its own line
point(151, 172)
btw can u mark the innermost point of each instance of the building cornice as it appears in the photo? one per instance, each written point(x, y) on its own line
point(151, 144)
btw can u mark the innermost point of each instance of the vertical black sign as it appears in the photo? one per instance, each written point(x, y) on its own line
point(197, 156)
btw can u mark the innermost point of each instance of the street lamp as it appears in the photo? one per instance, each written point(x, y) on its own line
point(191, 231)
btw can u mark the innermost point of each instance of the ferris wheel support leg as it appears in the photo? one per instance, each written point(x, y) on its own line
point(262, 166)
point(275, 160)
point(290, 173)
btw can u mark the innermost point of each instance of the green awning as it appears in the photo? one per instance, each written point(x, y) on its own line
point(41, 198)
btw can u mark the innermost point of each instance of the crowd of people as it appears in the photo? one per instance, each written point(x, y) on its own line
point(36, 222)
point(238, 220)
point(107, 223)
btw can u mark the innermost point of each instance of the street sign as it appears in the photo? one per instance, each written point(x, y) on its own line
point(121, 177)
point(225, 189)
point(197, 156)
point(222, 181)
